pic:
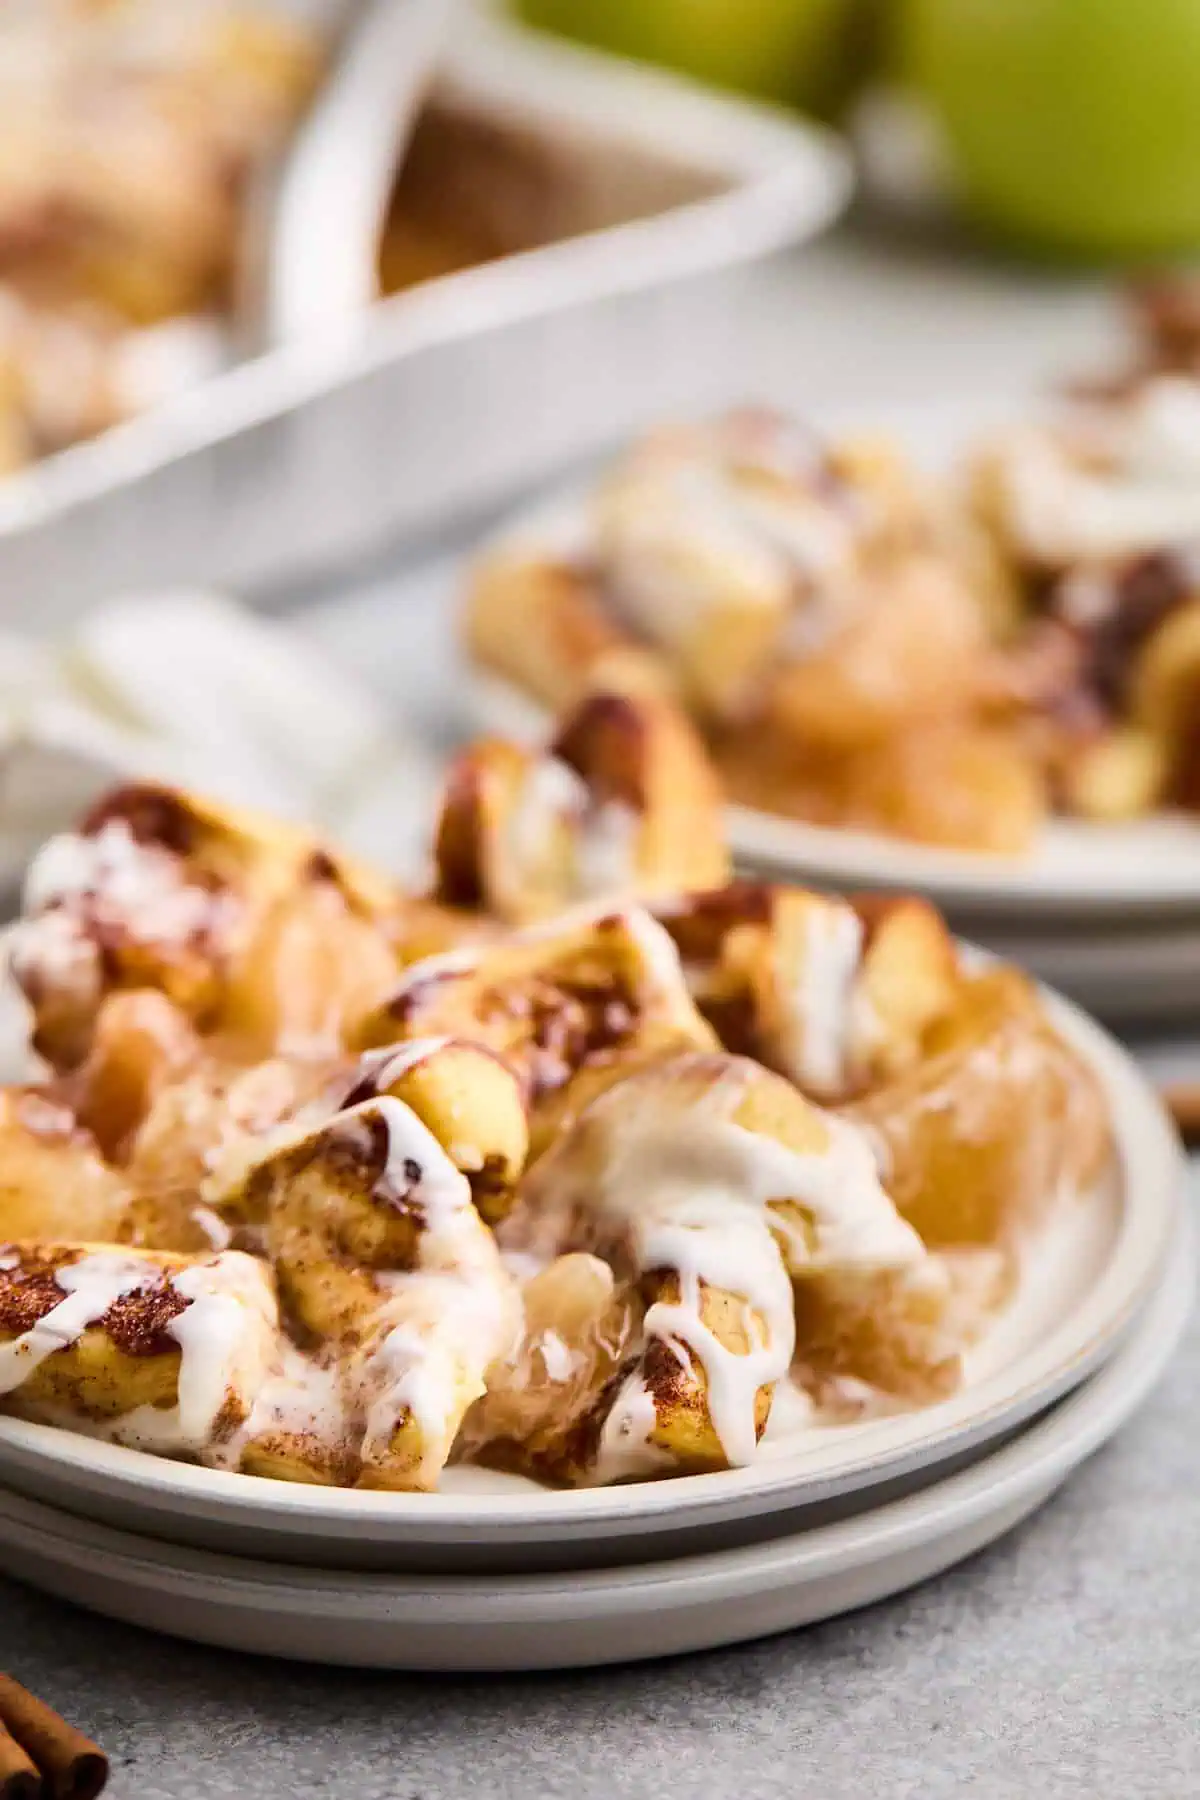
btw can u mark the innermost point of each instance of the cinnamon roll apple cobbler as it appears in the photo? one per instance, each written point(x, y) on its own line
point(132, 133)
point(579, 1164)
point(949, 662)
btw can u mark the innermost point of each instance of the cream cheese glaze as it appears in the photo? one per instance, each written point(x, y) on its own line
point(442, 1325)
point(555, 810)
point(679, 535)
point(106, 880)
point(226, 1333)
point(420, 1351)
point(1109, 482)
point(819, 997)
point(140, 883)
point(689, 1191)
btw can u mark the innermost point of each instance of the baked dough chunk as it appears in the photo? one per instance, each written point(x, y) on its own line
point(160, 1352)
point(571, 1007)
point(623, 804)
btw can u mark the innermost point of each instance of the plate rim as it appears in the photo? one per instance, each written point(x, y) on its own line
point(1035, 1460)
point(974, 885)
point(1149, 1163)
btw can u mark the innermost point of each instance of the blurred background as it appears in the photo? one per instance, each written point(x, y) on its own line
point(294, 299)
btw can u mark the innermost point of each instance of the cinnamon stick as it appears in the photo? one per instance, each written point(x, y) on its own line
point(71, 1767)
point(1182, 1100)
point(19, 1780)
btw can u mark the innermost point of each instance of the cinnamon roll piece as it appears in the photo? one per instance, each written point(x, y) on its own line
point(469, 1098)
point(159, 1352)
point(394, 1284)
point(571, 1007)
point(835, 994)
point(245, 924)
point(711, 1186)
point(622, 804)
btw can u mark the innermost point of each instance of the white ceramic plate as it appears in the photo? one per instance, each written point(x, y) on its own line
point(1077, 869)
point(1092, 1271)
point(1151, 865)
point(1125, 977)
point(561, 1621)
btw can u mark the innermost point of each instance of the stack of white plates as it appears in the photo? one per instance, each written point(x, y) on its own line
point(494, 1573)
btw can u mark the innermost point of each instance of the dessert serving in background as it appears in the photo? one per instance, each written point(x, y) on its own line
point(948, 662)
point(128, 134)
point(819, 611)
point(586, 1163)
point(1095, 510)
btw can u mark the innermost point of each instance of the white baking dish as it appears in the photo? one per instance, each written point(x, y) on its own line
point(383, 421)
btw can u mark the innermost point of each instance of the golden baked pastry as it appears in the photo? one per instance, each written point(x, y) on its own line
point(556, 1199)
point(1095, 506)
point(470, 1099)
point(834, 994)
point(571, 1007)
point(829, 620)
point(388, 1274)
point(247, 925)
point(160, 1352)
point(710, 1186)
point(541, 622)
point(622, 804)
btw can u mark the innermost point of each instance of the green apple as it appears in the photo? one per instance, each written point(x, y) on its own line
point(785, 50)
point(1073, 125)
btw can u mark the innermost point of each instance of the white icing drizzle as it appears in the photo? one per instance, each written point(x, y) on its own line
point(699, 1195)
point(210, 1222)
point(52, 948)
point(555, 807)
point(228, 1338)
point(301, 1408)
point(139, 883)
point(661, 970)
point(662, 967)
point(551, 795)
point(817, 1001)
point(625, 1451)
point(560, 1360)
point(682, 535)
point(384, 1066)
point(226, 1335)
point(440, 1326)
point(606, 850)
point(1112, 482)
point(443, 964)
point(90, 1286)
point(136, 888)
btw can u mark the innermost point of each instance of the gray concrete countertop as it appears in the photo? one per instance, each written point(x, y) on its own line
point(1064, 1661)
